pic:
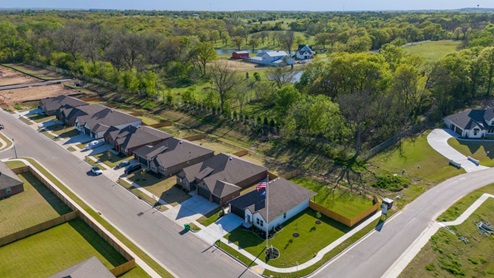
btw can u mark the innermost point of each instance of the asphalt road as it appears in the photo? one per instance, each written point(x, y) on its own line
point(374, 255)
point(51, 82)
point(182, 253)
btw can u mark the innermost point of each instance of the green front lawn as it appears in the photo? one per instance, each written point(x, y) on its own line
point(313, 237)
point(110, 159)
point(39, 118)
point(31, 207)
point(56, 249)
point(445, 255)
point(480, 150)
point(26, 121)
point(210, 217)
point(63, 131)
point(344, 202)
point(164, 188)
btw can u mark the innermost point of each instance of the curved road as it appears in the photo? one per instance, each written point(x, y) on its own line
point(184, 254)
point(376, 253)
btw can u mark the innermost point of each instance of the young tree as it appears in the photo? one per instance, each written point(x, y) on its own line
point(281, 76)
point(224, 79)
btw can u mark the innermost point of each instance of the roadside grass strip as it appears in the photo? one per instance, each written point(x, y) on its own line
point(479, 150)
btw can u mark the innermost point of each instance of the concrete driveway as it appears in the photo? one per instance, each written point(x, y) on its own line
point(190, 210)
point(438, 140)
point(220, 228)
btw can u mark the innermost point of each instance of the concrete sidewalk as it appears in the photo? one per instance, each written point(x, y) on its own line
point(219, 229)
point(438, 140)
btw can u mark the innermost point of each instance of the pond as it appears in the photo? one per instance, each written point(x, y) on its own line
point(230, 51)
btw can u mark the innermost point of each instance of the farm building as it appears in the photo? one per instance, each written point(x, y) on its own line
point(272, 58)
point(240, 55)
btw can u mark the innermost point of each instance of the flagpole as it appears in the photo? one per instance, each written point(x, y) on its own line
point(267, 214)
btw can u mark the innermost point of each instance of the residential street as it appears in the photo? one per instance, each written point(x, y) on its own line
point(374, 255)
point(185, 254)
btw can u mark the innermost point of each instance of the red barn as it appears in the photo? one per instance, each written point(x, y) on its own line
point(240, 55)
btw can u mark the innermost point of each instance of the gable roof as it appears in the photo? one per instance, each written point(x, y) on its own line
point(102, 120)
point(472, 118)
point(131, 136)
point(91, 267)
point(55, 103)
point(228, 169)
point(7, 177)
point(84, 113)
point(179, 151)
point(276, 53)
point(283, 196)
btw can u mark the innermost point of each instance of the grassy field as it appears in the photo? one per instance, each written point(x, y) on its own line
point(31, 207)
point(165, 189)
point(461, 205)
point(313, 237)
point(344, 202)
point(217, 146)
point(447, 256)
point(148, 260)
point(53, 250)
point(434, 50)
point(417, 160)
point(480, 150)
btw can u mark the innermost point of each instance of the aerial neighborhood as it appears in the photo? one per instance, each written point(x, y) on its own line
point(246, 139)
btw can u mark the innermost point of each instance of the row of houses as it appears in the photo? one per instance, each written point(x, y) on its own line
point(218, 178)
point(276, 58)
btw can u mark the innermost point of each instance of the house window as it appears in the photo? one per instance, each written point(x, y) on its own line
point(475, 131)
point(261, 222)
point(8, 190)
point(284, 215)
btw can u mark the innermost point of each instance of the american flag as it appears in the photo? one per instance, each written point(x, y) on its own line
point(262, 185)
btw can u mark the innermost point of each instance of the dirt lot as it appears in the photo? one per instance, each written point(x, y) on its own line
point(11, 77)
point(11, 97)
point(240, 65)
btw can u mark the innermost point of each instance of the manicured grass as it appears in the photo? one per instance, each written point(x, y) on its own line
point(341, 201)
point(39, 118)
point(419, 161)
point(144, 196)
point(49, 135)
point(164, 188)
point(148, 260)
point(193, 227)
point(35, 205)
point(480, 150)
point(26, 121)
point(210, 217)
point(53, 250)
point(71, 149)
point(434, 50)
point(313, 237)
point(110, 159)
point(234, 253)
point(461, 205)
point(447, 256)
point(63, 131)
point(8, 141)
point(14, 164)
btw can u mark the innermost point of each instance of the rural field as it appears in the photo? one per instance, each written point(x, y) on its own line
point(11, 77)
point(433, 50)
point(16, 96)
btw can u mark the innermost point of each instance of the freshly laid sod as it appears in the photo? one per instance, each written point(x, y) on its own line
point(210, 217)
point(341, 201)
point(35, 205)
point(419, 161)
point(461, 205)
point(148, 260)
point(164, 188)
point(445, 255)
point(63, 131)
point(480, 150)
point(26, 121)
point(312, 238)
point(39, 118)
point(55, 249)
point(110, 159)
point(14, 164)
point(434, 50)
point(6, 140)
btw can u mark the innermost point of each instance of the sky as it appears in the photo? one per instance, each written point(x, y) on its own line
point(239, 5)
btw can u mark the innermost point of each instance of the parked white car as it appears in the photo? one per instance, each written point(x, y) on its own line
point(96, 170)
point(95, 144)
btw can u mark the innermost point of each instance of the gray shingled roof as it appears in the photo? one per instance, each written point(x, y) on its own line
point(283, 196)
point(103, 119)
point(471, 118)
point(57, 102)
point(84, 113)
point(91, 267)
point(7, 177)
point(227, 168)
point(179, 151)
point(131, 136)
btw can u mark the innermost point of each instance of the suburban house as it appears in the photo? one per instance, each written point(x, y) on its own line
point(285, 200)
point(220, 178)
point(240, 55)
point(97, 124)
point(130, 138)
point(304, 52)
point(472, 123)
point(272, 58)
point(10, 184)
point(91, 267)
point(171, 156)
point(51, 105)
point(69, 115)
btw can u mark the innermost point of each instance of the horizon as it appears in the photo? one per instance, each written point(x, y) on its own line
point(253, 5)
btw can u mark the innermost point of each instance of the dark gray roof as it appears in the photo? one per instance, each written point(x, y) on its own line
point(179, 151)
point(57, 102)
point(471, 118)
point(283, 195)
point(102, 120)
point(7, 177)
point(91, 267)
point(131, 136)
point(149, 152)
point(227, 168)
point(84, 113)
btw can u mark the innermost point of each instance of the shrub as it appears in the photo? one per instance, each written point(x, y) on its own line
point(391, 182)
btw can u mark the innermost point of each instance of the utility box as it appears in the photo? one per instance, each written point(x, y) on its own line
point(187, 227)
point(386, 205)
